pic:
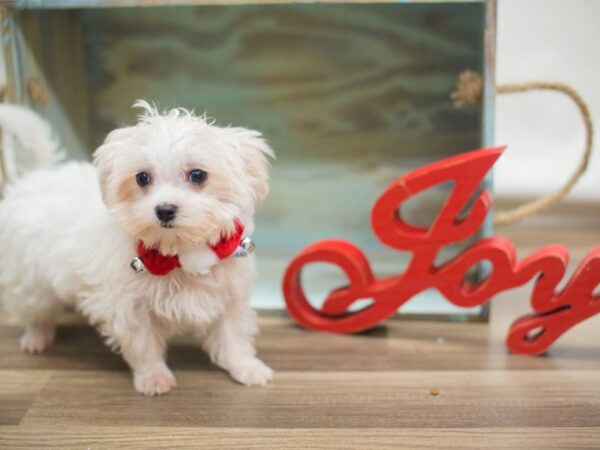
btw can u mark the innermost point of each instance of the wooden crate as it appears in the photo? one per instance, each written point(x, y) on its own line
point(350, 95)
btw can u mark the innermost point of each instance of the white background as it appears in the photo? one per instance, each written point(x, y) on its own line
point(546, 40)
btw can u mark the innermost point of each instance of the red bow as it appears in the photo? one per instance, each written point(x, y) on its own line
point(160, 265)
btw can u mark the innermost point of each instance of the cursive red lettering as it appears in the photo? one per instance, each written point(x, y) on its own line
point(553, 312)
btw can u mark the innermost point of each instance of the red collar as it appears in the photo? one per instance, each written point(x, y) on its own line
point(159, 264)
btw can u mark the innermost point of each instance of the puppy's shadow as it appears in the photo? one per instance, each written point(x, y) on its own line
point(80, 347)
point(75, 347)
point(188, 356)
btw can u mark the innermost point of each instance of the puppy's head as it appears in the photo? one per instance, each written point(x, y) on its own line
point(175, 180)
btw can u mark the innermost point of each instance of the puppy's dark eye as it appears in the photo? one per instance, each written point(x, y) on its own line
point(143, 179)
point(197, 176)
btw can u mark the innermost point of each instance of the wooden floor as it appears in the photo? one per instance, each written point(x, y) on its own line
point(366, 391)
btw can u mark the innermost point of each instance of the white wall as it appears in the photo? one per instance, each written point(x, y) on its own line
point(546, 40)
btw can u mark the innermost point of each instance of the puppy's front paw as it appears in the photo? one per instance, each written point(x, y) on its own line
point(157, 380)
point(37, 339)
point(251, 372)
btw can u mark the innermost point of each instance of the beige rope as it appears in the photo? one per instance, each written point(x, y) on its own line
point(469, 92)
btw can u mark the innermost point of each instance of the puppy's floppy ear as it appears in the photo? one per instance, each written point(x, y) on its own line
point(254, 152)
point(105, 157)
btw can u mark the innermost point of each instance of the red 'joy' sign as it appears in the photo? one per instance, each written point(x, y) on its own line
point(553, 312)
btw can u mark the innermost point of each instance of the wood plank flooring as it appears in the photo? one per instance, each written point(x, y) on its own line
point(371, 390)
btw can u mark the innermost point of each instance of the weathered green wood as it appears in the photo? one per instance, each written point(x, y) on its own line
point(14, 90)
point(317, 79)
point(350, 96)
point(9, 80)
point(65, 4)
point(49, 49)
point(488, 119)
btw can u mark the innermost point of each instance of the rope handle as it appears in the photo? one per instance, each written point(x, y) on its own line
point(469, 92)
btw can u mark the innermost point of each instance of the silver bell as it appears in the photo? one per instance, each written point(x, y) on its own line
point(245, 248)
point(137, 265)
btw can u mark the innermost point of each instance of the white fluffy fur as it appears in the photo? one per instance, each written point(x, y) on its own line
point(67, 239)
point(27, 141)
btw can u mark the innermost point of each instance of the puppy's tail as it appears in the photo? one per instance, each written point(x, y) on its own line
point(27, 142)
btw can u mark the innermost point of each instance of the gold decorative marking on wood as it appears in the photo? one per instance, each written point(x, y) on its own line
point(37, 91)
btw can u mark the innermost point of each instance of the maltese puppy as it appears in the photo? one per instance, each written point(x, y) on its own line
point(174, 196)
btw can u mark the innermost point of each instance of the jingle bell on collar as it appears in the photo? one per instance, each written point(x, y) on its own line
point(137, 265)
point(245, 248)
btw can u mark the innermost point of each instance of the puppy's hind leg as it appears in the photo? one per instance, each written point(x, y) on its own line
point(37, 337)
point(37, 311)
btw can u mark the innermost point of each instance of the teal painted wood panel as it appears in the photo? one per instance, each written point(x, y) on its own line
point(350, 96)
point(71, 4)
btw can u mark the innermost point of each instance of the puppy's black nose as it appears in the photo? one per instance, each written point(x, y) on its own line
point(165, 212)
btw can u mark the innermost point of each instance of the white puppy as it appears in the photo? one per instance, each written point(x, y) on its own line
point(179, 185)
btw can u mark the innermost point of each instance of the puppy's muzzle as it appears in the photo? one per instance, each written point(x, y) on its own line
point(166, 213)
